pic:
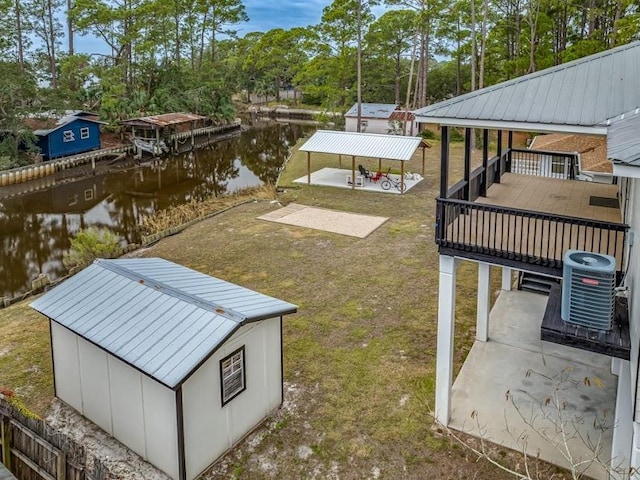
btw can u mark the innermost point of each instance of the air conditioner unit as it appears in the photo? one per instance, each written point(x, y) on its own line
point(588, 295)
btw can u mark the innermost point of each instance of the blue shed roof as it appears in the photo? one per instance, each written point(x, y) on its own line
point(67, 119)
point(159, 317)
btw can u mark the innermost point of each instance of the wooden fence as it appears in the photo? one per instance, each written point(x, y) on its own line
point(32, 450)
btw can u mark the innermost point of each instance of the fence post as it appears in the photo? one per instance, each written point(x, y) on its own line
point(6, 443)
point(61, 466)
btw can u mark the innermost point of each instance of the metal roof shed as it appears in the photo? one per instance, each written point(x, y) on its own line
point(177, 365)
point(370, 145)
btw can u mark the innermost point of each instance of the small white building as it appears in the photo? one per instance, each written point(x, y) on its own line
point(384, 118)
point(177, 365)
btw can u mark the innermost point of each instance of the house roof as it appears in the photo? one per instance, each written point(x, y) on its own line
point(389, 147)
point(579, 97)
point(49, 122)
point(164, 120)
point(592, 149)
point(159, 317)
point(623, 139)
point(372, 110)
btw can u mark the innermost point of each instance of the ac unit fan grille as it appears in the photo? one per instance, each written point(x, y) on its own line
point(588, 296)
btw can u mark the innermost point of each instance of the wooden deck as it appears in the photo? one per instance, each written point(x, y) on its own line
point(552, 195)
point(533, 220)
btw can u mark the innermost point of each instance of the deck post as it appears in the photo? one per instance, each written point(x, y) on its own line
point(484, 302)
point(485, 162)
point(467, 163)
point(623, 419)
point(444, 162)
point(506, 279)
point(445, 340)
point(510, 147)
point(498, 173)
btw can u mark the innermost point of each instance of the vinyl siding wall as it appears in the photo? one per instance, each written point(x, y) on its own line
point(136, 410)
point(210, 428)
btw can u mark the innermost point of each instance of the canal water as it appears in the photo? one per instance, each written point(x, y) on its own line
point(36, 228)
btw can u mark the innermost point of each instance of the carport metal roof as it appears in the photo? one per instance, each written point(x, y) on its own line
point(371, 145)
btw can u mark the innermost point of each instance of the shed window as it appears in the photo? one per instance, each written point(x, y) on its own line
point(68, 136)
point(232, 375)
point(84, 133)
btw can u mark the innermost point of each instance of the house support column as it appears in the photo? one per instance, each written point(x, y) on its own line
point(484, 302)
point(499, 155)
point(506, 279)
point(485, 163)
point(445, 341)
point(444, 161)
point(467, 163)
point(635, 450)
point(623, 436)
point(509, 146)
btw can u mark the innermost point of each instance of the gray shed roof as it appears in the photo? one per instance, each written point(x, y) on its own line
point(372, 110)
point(389, 147)
point(159, 317)
point(623, 141)
point(578, 97)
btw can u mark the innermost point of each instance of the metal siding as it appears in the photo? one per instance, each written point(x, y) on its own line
point(391, 147)
point(157, 316)
point(586, 92)
point(372, 110)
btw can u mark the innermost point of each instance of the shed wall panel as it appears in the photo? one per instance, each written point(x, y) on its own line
point(633, 282)
point(160, 426)
point(202, 405)
point(94, 378)
point(126, 403)
point(66, 367)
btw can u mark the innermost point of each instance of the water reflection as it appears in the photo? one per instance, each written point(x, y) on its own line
point(35, 227)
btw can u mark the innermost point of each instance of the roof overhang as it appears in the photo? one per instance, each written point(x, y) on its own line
point(625, 170)
point(515, 126)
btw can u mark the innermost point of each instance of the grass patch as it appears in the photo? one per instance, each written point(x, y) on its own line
point(25, 356)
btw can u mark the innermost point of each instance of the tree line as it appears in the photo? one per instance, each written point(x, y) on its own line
point(186, 55)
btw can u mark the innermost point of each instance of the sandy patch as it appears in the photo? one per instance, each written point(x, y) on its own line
point(335, 221)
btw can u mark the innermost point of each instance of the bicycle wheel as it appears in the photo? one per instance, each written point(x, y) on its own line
point(386, 184)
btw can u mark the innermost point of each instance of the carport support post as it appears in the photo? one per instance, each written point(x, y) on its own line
point(423, 150)
point(401, 176)
point(340, 160)
point(308, 168)
point(445, 341)
point(353, 172)
point(379, 164)
point(482, 320)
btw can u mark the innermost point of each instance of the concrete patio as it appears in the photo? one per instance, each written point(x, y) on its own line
point(544, 399)
point(338, 177)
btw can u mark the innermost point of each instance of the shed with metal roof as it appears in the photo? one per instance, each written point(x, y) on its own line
point(367, 145)
point(177, 365)
point(385, 118)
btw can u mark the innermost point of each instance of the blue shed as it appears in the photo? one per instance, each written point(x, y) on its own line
point(72, 134)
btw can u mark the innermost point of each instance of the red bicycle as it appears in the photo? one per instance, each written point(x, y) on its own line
point(379, 175)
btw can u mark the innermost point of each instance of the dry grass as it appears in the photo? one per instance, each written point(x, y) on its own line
point(360, 352)
point(361, 349)
point(181, 214)
point(25, 356)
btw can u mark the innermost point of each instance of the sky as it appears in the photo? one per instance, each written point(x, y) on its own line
point(264, 15)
